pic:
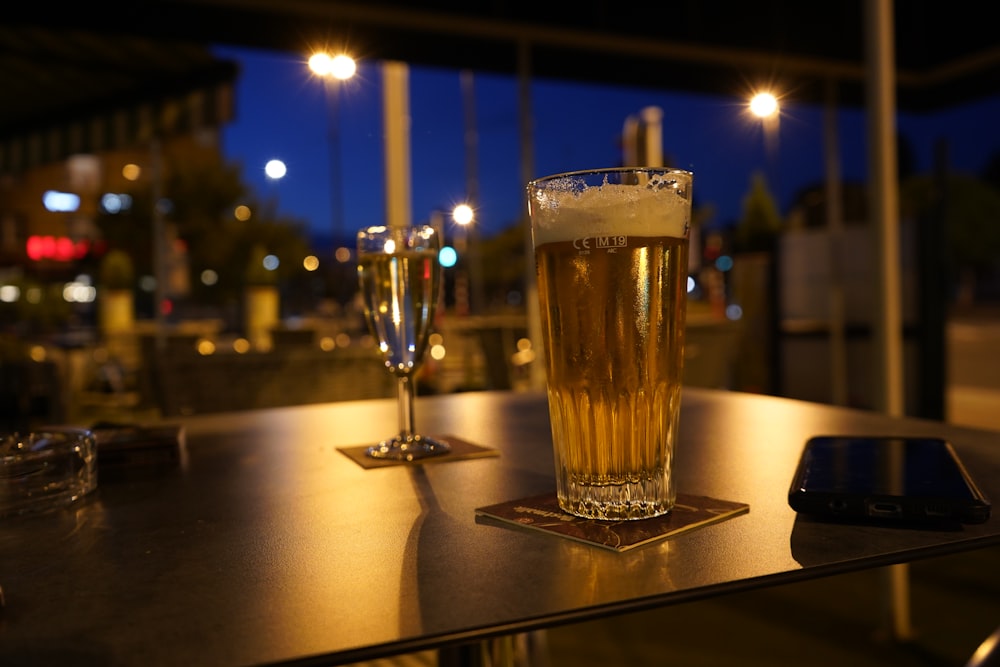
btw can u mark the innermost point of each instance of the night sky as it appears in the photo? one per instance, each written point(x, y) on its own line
point(283, 112)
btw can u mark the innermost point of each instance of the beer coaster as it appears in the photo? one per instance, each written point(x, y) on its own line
point(460, 450)
point(544, 514)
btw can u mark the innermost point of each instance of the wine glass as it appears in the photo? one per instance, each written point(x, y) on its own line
point(400, 278)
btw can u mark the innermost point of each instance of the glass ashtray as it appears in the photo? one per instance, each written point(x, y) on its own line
point(46, 469)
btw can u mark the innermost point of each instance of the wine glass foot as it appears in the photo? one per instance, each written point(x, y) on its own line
point(409, 448)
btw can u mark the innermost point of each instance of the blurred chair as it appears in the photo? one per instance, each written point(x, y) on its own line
point(710, 350)
point(31, 392)
point(496, 353)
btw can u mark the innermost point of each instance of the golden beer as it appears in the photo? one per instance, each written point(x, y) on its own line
point(612, 281)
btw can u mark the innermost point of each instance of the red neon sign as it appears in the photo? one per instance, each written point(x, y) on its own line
point(57, 248)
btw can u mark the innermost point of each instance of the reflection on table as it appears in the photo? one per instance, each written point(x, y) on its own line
point(270, 545)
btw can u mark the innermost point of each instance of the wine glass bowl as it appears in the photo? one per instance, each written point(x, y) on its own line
point(400, 279)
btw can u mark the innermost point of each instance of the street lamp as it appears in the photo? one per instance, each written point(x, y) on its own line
point(463, 214)
point(764, 105)
point(340, 67)
point(275, 169)
point(334, 70)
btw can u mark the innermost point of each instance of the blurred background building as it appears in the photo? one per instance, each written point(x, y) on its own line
point(143, 277)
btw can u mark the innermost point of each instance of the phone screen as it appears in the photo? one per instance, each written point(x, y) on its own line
point(885, 478)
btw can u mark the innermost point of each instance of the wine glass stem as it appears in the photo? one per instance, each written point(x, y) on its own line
point(405, 397)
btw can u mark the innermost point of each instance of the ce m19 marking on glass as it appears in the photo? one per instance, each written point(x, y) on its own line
point(608, 243)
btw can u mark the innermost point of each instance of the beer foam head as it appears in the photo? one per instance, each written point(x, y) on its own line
point(569, 206)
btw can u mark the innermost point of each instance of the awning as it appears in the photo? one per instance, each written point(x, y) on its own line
point(71, 91)
point(944, 54)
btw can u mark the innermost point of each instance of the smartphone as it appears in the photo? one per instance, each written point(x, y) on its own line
point(885, 479)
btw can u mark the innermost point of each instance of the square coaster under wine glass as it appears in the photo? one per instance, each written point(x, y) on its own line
point(543, 513)
point(460, 450)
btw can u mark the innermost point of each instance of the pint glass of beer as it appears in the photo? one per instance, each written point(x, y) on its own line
point(611, 251)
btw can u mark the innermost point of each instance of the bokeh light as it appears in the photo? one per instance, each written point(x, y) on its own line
point(275, 169)
point(463, 214)
point(764, 105)
point(447, 257)
point(525, 353)
point(9, 293)
point(341, 66)
point(131, 172)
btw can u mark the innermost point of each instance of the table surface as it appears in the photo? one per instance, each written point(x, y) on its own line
point(269, 545)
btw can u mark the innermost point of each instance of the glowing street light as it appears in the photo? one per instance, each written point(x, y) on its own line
point(334, 70)
point(343, 67)
point(463, 214)
point(764, 105)
point(340, 67)
point(275, 169)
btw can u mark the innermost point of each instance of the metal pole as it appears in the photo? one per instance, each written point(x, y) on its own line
point(477, 296)
point(652, 119)
point(884, 207)
point(884, 193)
point(630, 142)
point(537, 367)
point(396, 120)
point(336, 162)
point(159, 245)
point(835, 227)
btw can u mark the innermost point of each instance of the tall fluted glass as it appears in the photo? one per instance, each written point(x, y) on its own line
point(400, 279)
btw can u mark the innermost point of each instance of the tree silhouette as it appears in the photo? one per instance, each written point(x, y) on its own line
point(991, 171)
point(760, 221)
point(200, 193)
point(970, 214)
